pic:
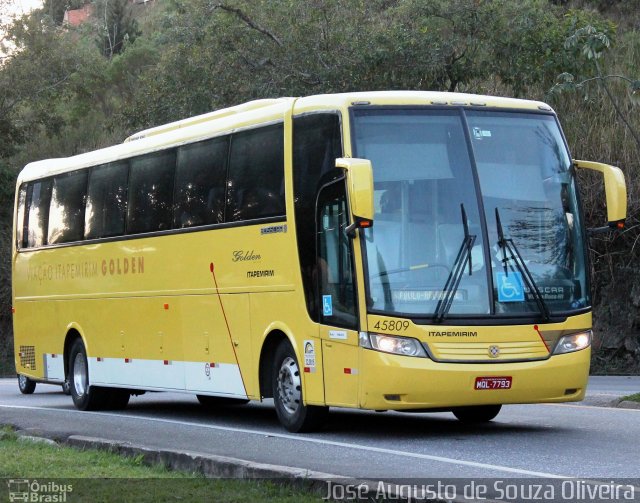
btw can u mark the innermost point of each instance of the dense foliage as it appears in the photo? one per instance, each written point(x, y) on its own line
point(67, 90)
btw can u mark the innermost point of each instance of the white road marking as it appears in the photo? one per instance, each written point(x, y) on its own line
point(346, 445)
point(588, 407)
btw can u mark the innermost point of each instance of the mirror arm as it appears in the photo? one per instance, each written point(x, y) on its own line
point(613, 226)
point(358, 223)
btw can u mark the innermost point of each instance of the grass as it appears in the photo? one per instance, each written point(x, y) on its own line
point(103, 476)
point(632, 398)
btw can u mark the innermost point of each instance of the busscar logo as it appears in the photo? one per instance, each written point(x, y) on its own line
point(274, 229)
point(35, 491)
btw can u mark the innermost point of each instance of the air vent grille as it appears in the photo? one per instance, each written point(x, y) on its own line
point(28, 357)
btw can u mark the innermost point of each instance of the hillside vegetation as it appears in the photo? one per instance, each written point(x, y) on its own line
point(66, 90)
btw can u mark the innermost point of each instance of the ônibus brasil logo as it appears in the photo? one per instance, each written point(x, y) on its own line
point(41, 492)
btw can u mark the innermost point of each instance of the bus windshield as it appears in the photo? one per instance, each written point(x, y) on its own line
point(484, 219)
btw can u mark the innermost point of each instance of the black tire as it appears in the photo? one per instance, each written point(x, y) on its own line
point(66, 387)
point(214, 402)
point(288, 396)
point(117, 399)
point(477, 413)
point(26, 385)
point(85, 396)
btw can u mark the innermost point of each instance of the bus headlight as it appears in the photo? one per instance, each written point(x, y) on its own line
point(573, 342)
point(405, 346)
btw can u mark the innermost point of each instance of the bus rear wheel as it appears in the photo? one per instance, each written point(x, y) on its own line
point(117, 398)
point(85, 396)
point(287, 394)
point(477, 413)
point(26, 385)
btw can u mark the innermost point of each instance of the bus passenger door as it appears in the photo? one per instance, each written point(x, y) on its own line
point(337, 297)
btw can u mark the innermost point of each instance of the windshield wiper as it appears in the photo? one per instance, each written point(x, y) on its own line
point(455, 276)
point(401, 269)
point(507, 245)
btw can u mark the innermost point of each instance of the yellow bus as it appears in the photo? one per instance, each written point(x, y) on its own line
point(387, 250)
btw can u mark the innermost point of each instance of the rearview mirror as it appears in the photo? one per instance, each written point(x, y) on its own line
point(615, 190)
point(360, 188)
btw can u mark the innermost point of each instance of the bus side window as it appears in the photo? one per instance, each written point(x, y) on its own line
point(200, 182)
point(316, 146)
point(20, 221)
point(66, 214)
point(151, 192)
point(37, 220)
point(335, 259)
point(255, 188)
point(106, 200)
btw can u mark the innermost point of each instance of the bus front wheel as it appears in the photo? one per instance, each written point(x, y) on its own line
point(26, 385)
point(85, 396)
point(294, 415)
point(477, 413)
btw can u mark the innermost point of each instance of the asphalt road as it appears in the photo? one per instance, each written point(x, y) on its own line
point(614, 385)
point(524, 441)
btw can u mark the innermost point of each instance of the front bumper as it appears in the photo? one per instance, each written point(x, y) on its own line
point(391, 382)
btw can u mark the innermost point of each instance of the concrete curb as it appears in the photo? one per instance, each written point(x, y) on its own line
point(37, 440)
point(208, 464)
point(214, 466)
point(612, 401)
point(627, 404)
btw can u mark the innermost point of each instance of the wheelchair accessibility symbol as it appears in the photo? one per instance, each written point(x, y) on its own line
point(510, 287)
point(327, 305)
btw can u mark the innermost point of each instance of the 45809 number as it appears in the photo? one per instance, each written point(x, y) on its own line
point(391, 325)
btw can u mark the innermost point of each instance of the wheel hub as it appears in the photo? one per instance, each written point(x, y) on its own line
point(289, 386)
point(79, 375)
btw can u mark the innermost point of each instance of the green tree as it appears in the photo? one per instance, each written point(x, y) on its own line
point(116, 26)
point(221, 53)
point(592, 43)
point(39, 70)
point(7, 184)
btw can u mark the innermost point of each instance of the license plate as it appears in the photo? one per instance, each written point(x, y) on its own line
point(493, 383)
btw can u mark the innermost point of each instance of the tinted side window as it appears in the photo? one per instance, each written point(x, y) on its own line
point(316, 145)
point(39, 196)
point(200, 183)
point(256, 174)
point(20, 222)
point(66, 215)
point(335, 258)
point(107, 201)
point(151, 192)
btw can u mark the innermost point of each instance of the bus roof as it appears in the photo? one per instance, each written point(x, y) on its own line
point(210, 116)
point(434, 98)
point(230, 119)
